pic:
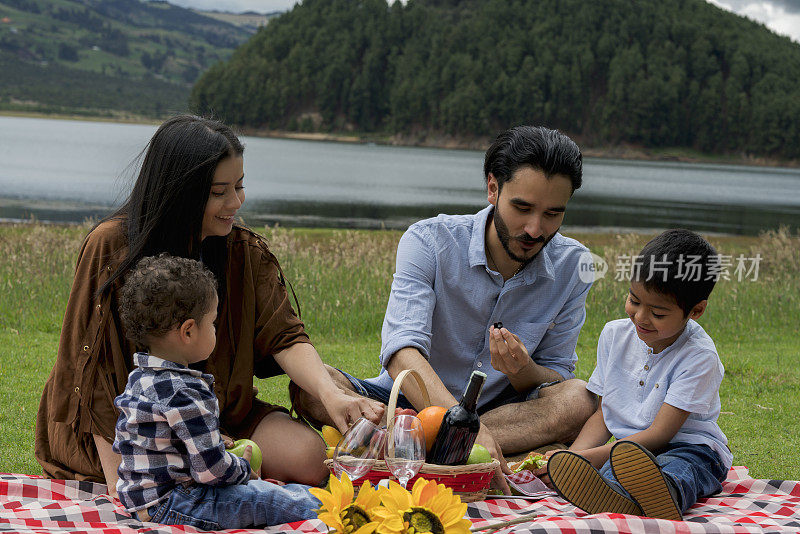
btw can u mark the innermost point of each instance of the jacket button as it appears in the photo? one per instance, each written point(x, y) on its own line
point(641, 382)
point(109, 268)
point(77, 389)
point(86, 348)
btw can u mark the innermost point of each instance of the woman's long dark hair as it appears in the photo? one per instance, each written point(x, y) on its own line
point(164, 211)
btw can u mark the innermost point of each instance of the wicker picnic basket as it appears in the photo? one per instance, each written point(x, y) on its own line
point(470, 482)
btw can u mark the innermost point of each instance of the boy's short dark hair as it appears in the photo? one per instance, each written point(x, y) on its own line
point(162, 292)
point(678, 263)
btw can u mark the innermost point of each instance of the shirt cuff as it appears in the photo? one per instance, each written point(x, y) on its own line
point(399, 342)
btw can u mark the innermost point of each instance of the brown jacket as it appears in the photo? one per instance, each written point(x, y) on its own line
point(256, 320)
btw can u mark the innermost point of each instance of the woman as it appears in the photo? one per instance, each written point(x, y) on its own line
point(183, 202)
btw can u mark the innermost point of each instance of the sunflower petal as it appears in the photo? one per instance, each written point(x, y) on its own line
point(332, 520)
point(453, 514)
point(419, 485)
point(391, 525)
point(369, 528)
point(325, 498)
point(462, 527)
point(367, 498)
point(347, 487)
point(428, 491)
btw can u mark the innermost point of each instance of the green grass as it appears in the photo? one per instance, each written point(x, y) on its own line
point(342, 279)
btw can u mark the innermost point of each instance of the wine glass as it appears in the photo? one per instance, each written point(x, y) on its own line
point(405, 448)
point(358, 449)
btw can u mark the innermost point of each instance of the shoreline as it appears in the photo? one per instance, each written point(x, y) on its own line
point(566, 230)
point(623, 152)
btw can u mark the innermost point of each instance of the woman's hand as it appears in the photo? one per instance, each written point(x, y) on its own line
point(346, 409)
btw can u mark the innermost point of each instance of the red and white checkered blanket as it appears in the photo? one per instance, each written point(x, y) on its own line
point(36, 505)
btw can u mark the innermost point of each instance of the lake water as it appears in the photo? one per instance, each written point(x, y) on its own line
point(57, 170)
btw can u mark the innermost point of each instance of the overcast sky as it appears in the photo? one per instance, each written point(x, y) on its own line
point(781, 16)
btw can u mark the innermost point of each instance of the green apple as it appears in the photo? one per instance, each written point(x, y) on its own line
point(255, 459)
point(479, 455)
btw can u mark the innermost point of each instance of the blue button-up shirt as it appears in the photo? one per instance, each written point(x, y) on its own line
point(444, 298)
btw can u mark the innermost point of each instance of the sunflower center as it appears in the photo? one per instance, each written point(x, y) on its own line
point(423, 520)
point(355, 517)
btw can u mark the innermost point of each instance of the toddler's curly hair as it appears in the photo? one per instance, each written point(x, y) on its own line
point(162, 292)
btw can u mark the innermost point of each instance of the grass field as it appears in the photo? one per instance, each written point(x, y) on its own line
point(342, 279)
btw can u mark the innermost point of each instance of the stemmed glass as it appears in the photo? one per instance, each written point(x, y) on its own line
point(358, 449)
point(405, 448)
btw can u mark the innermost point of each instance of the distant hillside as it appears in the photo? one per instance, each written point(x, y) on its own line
point(102, 55)
point(651, 73)
point(249, 21)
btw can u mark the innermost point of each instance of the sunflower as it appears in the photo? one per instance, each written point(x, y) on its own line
point(341, 513)
point(430, 507)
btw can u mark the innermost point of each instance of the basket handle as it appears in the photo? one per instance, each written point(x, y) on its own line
point(398, 382)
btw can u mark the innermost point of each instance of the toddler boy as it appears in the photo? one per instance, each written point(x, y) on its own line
point(175, 469)
point(658, 376)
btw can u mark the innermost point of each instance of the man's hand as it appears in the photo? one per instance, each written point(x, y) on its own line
point(509, 355)
point(226, 440)
point(499, 480)
point(347, 409)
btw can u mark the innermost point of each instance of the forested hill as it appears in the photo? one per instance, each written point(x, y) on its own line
point(653, 73)
point(94, 55)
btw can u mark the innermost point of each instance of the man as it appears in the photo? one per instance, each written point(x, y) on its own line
point(457, 276)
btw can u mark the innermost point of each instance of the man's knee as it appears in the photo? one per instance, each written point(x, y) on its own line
point(575, 390)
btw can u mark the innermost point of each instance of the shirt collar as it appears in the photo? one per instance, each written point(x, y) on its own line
point(143, 359)
point(685, 335)
point(542, 265)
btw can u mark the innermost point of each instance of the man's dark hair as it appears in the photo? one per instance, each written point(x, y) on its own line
point(549, 151)
point(678, 263)
point(160, 293)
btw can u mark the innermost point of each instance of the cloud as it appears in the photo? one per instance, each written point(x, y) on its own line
point(780, 16)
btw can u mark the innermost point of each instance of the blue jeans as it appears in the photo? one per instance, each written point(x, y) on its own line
point(695, 470)
point(381, 394)
point(255, 504)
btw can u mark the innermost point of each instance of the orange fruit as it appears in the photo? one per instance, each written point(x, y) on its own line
point(431, 418)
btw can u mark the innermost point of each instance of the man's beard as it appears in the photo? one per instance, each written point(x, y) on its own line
point(505, 239)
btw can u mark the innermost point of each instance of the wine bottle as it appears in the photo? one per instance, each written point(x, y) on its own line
point(460, 426)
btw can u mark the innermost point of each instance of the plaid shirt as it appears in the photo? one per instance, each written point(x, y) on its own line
point(168, 433)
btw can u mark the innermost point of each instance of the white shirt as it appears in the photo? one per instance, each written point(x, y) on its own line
point(634, 383)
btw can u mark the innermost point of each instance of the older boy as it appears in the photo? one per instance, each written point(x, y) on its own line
point(175, 469)
point(658, 376)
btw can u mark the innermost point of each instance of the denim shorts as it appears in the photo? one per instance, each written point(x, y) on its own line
point(380, 393)
point(256, 504)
